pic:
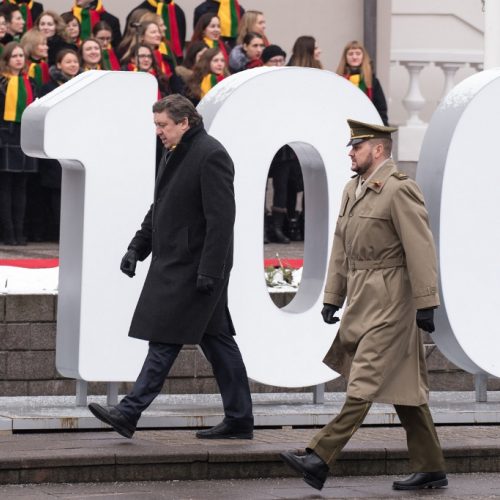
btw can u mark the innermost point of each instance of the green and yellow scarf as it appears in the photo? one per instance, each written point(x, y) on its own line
point(25, 9)
point(39, 71)
point(18, 96)
point(229, 15)
point(88, 18)
point(210, 81)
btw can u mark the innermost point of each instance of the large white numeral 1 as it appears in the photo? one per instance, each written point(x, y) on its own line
point(459, 174)
point(253, 114)
point(100, 127)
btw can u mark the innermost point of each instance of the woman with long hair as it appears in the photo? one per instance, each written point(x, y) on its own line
point(306, 53)
point(149, 32)
point(130, 35)
point(73, 28)
point(208, 31)
point(355, 65)
point(17, 91)
point(90, 53)
point(53, 27)
point(36, 50)
point(252, 21)
point(183, 72)
point(207, 72)
point(103, 33)
point(248, 54)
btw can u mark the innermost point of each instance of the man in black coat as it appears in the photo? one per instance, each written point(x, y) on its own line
point(189, 231)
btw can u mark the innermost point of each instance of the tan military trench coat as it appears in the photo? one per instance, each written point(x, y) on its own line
point(383, 265)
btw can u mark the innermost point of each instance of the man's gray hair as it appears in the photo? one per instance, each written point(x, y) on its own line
point(178, 107)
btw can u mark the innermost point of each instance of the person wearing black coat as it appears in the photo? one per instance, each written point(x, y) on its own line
point(30, 12)
point(108, 18)
point(189, 232)
point(213, 6)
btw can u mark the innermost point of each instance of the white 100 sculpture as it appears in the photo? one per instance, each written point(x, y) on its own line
point(108, 178)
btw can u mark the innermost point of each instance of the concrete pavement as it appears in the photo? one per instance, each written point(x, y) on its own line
point(462, 486)
point(166, 455)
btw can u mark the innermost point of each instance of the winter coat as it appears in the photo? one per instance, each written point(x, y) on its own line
point(189, 231)
point(383, 264)
point(12, 158)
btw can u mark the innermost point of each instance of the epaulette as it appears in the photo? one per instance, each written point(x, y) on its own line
point(400, 175)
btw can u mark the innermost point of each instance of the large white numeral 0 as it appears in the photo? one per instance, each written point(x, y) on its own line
point(100, 127)
point(459, 174)
point(253, 114)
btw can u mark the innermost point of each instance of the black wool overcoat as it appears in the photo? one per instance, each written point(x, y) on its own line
point(189, 231)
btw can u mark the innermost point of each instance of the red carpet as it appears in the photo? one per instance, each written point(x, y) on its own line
point(293, 263)
point(45, 263)
point(30, 263)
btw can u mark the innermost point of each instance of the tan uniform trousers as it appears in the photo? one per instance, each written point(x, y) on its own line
point(423, 443)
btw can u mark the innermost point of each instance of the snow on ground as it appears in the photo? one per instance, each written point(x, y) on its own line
point(25, 281)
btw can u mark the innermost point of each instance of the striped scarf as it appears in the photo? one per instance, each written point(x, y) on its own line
point(162, 63)
point(209, 81)
point(109, 60)
point(25, 9)
point(167, 13)
point(216, 44)
point(39, 71)
point(229, 15)
point(359, 81)
point(88, 18)
point(18, 96)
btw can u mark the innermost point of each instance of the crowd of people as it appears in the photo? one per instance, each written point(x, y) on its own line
point(41, 49)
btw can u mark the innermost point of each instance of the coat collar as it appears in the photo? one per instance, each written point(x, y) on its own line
point(190, 134)
point(376, 182)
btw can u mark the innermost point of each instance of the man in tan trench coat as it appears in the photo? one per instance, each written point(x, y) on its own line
point(383, 266)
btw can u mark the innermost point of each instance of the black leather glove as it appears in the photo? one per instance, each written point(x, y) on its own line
point(205, 284)
point(128, 263)
point(425, 319)
point(328, 312)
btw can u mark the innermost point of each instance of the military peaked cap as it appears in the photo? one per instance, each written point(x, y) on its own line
point(361, 131)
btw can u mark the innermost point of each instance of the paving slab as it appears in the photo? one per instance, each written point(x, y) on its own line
point(204, 410)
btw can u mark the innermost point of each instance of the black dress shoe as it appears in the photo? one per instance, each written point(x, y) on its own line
point(114, 418)
point(421, 480)
point(313, 468)
point(225, 431)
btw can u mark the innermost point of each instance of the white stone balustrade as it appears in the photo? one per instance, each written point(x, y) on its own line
point(412, 132)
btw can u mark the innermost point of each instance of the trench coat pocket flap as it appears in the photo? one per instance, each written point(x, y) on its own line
point(369, 214)
point(343, 206)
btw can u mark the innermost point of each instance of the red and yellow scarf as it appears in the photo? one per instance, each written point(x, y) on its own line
point(162, 63)
point(110, 60)
point(229, 15)
point(209, 81)
point(25, 9)
point(359, 81)
point(39, 71)
point(88, 18)
point(217, 44)
point(18, 96)
point(167, 13)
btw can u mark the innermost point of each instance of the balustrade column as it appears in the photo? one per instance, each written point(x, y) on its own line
point(449, 70)
point(414, 100)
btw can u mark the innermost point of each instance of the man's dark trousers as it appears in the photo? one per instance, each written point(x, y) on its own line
point(229, 370)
